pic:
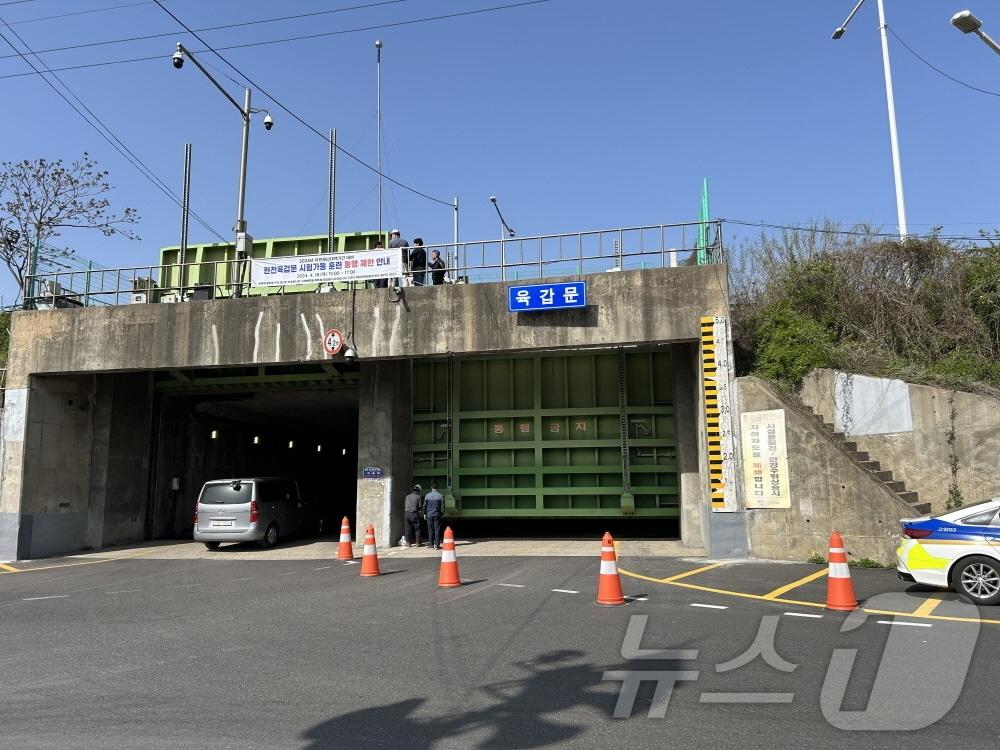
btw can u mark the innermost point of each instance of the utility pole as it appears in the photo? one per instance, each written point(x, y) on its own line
point(378, 127)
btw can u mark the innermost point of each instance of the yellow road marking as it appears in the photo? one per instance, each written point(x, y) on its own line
point(677, 577)
point(795, 584)
point(778, 600)
point(72, 565)
point(929, 605)
point(8, 568)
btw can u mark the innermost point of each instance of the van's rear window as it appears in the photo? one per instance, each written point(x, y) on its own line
point(227, 494)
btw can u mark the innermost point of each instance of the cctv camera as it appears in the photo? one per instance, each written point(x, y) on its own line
point(350, 354)
point(268, 122)
point(178, 59)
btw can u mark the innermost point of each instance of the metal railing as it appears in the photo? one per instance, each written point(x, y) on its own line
point(482, 261)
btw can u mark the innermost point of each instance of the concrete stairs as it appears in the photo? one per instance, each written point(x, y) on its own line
point(865, 461)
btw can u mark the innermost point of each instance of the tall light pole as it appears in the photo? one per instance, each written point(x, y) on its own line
point(967, 23)
point(244, 242)
point(505, 231)
point(378, 127)
point(897, 169)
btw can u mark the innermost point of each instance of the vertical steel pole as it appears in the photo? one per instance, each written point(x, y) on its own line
point(241, 224)
point(332, 207)
point(185, 215)
point(897, 168)
point(454, 257)
point(378, 127)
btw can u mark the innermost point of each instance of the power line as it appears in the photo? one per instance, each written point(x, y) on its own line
point(324, 136)
point(937, 69)
point(284, 40)
point(78, 13)
point(212, 28)
point(851, 232)
point(104, 131)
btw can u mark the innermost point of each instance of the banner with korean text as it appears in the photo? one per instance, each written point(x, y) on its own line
point(330, 267)
point(765, 459)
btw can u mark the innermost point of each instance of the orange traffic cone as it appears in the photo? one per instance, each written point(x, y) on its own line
point(369, 562)
point(345, 550)
point(448, 578)
point(839, 588)
point(609, 583)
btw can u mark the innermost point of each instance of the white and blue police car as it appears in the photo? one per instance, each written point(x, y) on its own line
point(960, 550)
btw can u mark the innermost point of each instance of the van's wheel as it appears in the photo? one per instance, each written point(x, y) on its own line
point(270, 537)
point(977, 579)
point(213, 545)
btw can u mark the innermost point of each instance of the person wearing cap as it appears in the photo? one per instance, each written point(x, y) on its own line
point(413, 506)
point(395, 240)
point(418, 262)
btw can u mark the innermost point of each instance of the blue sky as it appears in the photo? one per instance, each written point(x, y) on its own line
point(577, 114)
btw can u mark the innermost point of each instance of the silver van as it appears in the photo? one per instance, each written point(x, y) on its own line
point(255, 509)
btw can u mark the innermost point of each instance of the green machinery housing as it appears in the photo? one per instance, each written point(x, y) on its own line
point(203, 266)
point(580, 434)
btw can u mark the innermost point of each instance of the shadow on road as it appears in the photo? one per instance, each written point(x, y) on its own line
point(523, 712)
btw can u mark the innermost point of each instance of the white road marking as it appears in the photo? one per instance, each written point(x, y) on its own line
point(125, 591)
point(900, 622)
point(709, 606)
point(325, 567)
point(803, 614)
point(353, 562)
point(565, 591)
point(512, 585)
point(637, 598)
point(39, 598)
point(289, 573)
point(185, 585)
point(235, 580)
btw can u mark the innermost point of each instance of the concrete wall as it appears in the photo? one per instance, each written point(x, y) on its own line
point(385, 440)
point(656, 305)
point(829, 492)
point(928, 437)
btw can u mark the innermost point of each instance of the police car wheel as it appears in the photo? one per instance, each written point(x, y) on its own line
point(978, 579)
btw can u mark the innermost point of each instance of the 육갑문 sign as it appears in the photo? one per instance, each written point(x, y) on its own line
point(557, 296)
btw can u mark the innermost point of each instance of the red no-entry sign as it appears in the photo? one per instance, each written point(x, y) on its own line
point(333, 342)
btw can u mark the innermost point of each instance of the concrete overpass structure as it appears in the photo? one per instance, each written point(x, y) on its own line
point(115, 414)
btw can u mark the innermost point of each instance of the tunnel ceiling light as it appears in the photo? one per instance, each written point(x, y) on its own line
point(256, 439)
point(291, 443)
point(215, 434)
point(343, 451)
point(319, 448)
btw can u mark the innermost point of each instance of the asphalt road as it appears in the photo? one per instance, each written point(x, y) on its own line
point(234, 653)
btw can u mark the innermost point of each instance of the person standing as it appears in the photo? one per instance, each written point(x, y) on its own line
point(418, 262)
point(434, 510)
point(437, 267)
point(381, 283)
point(413, 504)
point(396, 241)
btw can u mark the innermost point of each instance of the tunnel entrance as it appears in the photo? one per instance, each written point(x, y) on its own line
point(295, 422)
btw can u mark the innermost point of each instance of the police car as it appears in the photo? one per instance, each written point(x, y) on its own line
point(960, 549)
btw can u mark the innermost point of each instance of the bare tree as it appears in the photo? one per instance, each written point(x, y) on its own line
point(39, 199)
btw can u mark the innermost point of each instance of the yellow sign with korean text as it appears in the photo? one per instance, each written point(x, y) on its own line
point(765, 459)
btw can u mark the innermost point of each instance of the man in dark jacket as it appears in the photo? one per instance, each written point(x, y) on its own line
point(396, 241)
point(418, 262)
point(437, 267)
point(434, 509)
point(412, 506)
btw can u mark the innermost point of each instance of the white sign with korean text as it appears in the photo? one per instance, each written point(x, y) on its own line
point(326, 268)
point(765, 459)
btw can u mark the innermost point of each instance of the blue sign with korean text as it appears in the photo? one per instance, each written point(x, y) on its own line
point(558, 296)
point(372, 472)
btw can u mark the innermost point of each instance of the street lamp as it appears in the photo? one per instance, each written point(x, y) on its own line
point(967, 23)
point(244, 242)
point(897, 169)
point(505, 231)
